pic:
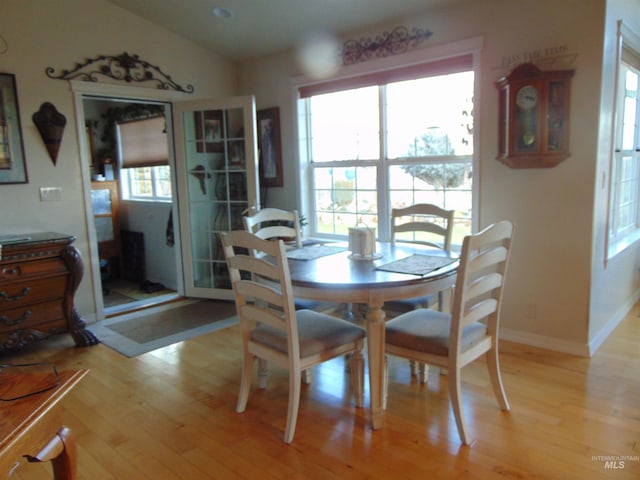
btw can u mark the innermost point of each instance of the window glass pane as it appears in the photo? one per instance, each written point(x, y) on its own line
point(430, 116)
point(162, 177)
point(344, 125)
point(141, 182)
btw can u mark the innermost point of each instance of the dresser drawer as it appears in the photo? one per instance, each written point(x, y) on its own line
point(13, 272)
point(31, 315)
point(32, 291)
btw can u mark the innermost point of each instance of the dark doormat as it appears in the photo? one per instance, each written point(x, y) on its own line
point(146, 330)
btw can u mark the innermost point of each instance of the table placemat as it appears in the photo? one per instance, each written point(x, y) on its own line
point(314, 251)
point(417, 264)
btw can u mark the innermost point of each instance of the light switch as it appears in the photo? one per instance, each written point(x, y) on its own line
point(50, 194)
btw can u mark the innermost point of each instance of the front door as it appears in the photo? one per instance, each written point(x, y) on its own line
point(216, 166)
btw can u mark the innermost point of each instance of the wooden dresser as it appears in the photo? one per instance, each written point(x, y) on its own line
point(39, 275)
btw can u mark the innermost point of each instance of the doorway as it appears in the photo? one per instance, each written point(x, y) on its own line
point(137, 255)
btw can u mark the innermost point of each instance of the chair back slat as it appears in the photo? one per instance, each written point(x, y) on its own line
point(254, 313)
point(255, 265)
point(479, 311)
point(260, 292)
point(482, 286)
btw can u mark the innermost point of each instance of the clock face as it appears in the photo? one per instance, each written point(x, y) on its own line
point(527, 97)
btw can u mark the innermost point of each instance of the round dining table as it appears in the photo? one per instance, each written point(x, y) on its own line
point(344, 278)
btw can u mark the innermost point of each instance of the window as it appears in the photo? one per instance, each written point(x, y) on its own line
point(144, 159)
point(389, 140)
point(147, 183)
point(624, 214)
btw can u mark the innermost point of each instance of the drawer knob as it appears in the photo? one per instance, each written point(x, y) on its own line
point(10, 323)
point(20, 296)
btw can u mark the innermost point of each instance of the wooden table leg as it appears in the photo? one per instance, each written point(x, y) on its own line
point(375, 344)
point(62, 453)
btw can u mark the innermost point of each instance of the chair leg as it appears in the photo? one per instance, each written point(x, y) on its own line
point(455, 394)
point(496, 379)
point(245, 382)
point(294, 403)
point(263, 373)
point(423, 372)
point(306, 376)
point(385, 387)
point(357, 377)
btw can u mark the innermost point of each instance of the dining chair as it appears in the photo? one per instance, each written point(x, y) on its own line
point(471, 330)
point(429, 225)
point(425, 224)
point(275, 223)
point(274, 331)
point(269, 223)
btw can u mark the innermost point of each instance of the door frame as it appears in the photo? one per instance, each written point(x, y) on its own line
point(82, 90)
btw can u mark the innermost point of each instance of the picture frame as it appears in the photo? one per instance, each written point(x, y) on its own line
point(269, 147)
point(13, 167)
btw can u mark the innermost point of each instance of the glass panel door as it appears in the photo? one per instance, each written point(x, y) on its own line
point(216, 169)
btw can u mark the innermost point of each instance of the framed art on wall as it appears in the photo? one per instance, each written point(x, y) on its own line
point(13, 168)
point(269, 147)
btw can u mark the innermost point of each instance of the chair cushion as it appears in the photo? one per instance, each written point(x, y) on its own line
point(412, 303)
point(317, 332)
point(428, 331)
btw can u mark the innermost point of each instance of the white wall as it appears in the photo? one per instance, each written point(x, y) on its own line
point(58, 34)
point(151, 219)
point(548, 295)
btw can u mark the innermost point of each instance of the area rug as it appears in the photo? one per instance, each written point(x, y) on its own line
point(143, 331)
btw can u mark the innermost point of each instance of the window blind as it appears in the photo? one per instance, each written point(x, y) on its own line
point(143, 143)
point(445, 66)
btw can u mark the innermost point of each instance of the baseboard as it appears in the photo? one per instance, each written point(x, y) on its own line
point(548, 343)
point(572, 348)
point(620, 314)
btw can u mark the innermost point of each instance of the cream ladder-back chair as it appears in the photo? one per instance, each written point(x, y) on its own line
point(428, 225)
point(271, 223)
point(272, 329)
point(274, 223)
point(471, 331)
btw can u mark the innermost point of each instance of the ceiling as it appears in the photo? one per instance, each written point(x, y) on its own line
point(263, 27)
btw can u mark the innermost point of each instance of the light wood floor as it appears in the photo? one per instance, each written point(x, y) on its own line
point(170, 414)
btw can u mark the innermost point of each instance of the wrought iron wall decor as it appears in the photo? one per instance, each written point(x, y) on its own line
point(50, 124)
point(129, 68)
point(399, 40)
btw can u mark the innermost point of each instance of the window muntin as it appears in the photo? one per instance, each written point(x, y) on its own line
point(424, 153)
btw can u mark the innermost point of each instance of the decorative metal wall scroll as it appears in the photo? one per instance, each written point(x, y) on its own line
point(50, 124)
point(399, 40)
point(129, 68)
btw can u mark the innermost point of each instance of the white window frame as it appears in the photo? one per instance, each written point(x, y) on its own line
point(469, 46)
point(617, 239)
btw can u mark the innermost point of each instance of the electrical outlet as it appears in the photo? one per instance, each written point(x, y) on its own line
point(50, 194)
